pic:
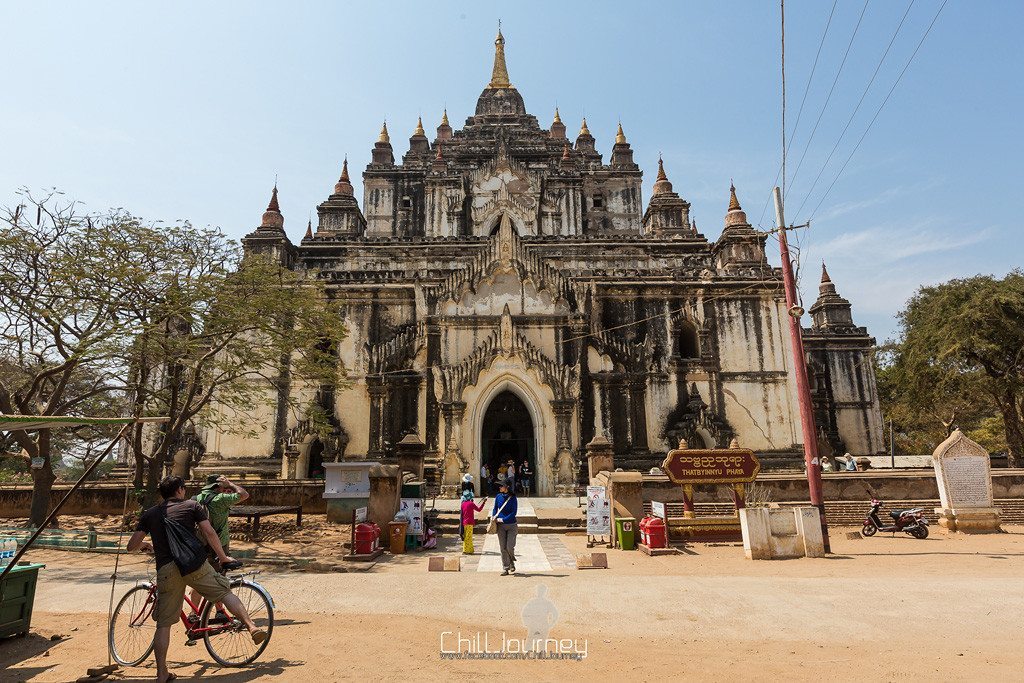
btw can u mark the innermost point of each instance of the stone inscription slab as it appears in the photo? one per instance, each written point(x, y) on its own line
point(967, 481)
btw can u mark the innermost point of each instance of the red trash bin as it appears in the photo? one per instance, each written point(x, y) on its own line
point(645, 538)
point(365, 539)
point(657, 533)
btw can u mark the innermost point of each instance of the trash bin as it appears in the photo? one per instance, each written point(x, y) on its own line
point(17, 593)
point(625, 531)
point(396, 536)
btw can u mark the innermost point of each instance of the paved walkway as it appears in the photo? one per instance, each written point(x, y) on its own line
point(534, 553)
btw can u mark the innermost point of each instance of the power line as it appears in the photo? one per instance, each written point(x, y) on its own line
point(857, 108)
point(807, 88)
point(880, 107)
point(829, 97)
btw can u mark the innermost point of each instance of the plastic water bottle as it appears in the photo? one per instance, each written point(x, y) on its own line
point(5, 551)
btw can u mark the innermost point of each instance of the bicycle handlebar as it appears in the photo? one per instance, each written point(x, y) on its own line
point(228, 566)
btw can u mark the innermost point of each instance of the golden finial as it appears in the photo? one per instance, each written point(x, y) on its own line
point(384, 137)
point(734, 203)
point(558, 119)
point(620, 137)
point(444, 117)
point(419, 127)
point(661, 169)
point(499, 74)
point(583, 129)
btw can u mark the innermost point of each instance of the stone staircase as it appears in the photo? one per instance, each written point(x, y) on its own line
point(530, 520)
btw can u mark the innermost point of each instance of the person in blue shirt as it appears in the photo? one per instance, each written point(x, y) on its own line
point(505, 508)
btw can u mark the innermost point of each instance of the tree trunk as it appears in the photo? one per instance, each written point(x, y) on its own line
point(1013, 422)
point(42, 482)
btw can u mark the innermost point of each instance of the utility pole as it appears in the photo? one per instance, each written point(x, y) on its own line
point(803, 392)
point(892, 445)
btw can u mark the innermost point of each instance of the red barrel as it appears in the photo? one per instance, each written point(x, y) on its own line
point(366, 539)
point(376, 535)
point(644, 536)
point(657, 533)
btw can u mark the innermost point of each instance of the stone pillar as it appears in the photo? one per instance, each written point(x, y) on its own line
point(565, 466)
point(454, 463)
point(600, 456)
point(625, 493)
point(375, 387)
point(384, 494)
point(289, 462)
point(410, 455)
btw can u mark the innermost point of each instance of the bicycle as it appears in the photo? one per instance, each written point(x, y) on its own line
point(133, 626)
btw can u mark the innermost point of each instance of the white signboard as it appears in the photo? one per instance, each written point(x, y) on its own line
point(658, 509)
point(360, 515)
point(599, 512)
point(412, 508)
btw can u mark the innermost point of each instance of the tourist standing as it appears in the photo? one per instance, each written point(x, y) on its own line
point(510, 475)
point(505, 508)
point(192, 518)
point(485, 478)
point(217, 497)
point(468, 519)
point(525, 474)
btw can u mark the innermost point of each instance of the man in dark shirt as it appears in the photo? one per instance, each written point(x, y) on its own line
point(211, 585)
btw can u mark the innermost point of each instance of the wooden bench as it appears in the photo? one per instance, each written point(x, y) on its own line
point(257, 512)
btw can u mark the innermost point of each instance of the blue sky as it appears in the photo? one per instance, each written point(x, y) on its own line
point(188, 110)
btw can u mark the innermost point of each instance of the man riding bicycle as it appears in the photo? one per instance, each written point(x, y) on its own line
point(176, 512)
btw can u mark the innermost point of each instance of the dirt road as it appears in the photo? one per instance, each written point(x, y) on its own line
point(945, 608)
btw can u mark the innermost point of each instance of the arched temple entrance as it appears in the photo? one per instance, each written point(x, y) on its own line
point(508, 434)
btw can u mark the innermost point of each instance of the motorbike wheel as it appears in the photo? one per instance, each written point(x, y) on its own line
point(869, 530)
point(920, 532)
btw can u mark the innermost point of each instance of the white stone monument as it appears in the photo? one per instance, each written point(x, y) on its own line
point(963, 473)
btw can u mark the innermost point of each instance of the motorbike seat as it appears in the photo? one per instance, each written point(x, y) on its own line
point(895, 514)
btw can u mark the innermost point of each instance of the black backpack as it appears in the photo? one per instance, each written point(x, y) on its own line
point(187, 551)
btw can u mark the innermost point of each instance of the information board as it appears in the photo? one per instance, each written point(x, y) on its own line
point(599, 512)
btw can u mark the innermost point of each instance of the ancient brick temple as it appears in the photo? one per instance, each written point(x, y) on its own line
point(508, 296)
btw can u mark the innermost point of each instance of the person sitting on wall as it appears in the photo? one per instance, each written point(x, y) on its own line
point(851, 464)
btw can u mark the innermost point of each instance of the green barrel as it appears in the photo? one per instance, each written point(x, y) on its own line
point(17, 593)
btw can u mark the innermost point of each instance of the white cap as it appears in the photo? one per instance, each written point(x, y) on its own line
point(467, 477)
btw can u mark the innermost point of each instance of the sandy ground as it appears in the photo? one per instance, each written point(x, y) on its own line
point(947, 608)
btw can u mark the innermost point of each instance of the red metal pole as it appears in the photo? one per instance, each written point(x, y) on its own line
point(803, 390)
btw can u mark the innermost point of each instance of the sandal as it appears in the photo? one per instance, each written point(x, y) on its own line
point(259, 636)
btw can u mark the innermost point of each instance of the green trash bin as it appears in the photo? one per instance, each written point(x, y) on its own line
point(625, 531)
point(17, 593)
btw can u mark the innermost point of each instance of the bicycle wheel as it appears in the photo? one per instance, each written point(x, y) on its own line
point(132, 629)
point(232, 645)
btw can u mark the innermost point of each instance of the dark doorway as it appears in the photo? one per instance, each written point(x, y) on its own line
point(507, 434)
point(315, 468)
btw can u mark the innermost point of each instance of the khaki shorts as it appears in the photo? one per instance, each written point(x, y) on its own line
point(171, 593)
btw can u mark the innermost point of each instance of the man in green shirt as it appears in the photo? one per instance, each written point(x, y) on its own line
point(217, 496)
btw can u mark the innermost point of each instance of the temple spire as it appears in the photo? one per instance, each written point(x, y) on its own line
point(558, 119)
point(384, 137)
point(499, 74)
point(583, 128)
point(620, 137)
point(343, 186)
point(272, 217)
point(662, 184)
point(309, 229)
point(419, 127)
point(444, 117)
point(824, 274)
point(734, 203)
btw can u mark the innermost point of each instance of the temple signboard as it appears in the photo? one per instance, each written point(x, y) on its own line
point(720, 466)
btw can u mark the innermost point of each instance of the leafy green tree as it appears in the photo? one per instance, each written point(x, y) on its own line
point(959, 361)
point(58, 325)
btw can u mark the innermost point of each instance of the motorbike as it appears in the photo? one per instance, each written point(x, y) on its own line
point(910, 521)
